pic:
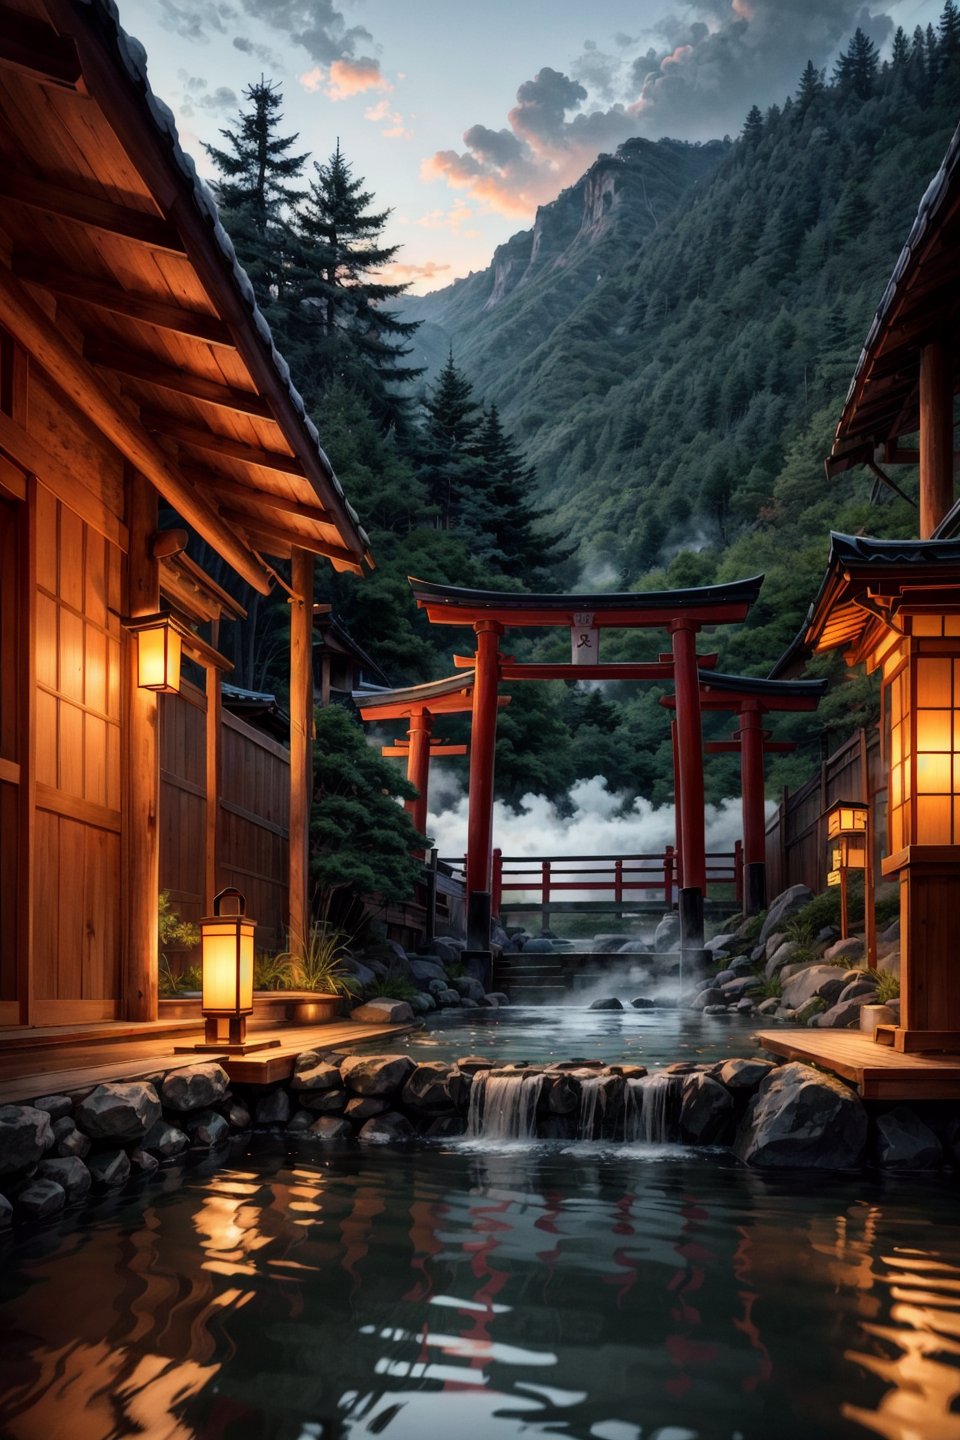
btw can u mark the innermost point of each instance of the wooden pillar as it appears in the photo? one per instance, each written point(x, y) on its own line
point(869, 872)
point(212, 827)
point(677, 814)
point(27, 723)
point(750, 736)
point(140, 835)
point(683, 634)
point(419, 732)
point(301, 744)
point(482, 754)
point(936, 436)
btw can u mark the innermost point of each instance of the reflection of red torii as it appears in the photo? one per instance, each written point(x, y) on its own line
point(749, 699)
point(681, 613)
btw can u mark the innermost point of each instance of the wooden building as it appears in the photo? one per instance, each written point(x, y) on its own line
point(135, 368)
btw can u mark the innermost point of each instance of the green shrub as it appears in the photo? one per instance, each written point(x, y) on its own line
point(888, 986)
point(391, 987)
point(270, 972)
point(176, 982)
point(771, 989)
point(317, 964)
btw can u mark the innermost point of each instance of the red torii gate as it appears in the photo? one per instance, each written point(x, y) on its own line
point(750, 699)
point(418, 704)
point(682, 613)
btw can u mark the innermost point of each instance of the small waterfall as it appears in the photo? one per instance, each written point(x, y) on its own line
point(587, 1114)
point(650, 1108)
point(504, 1107)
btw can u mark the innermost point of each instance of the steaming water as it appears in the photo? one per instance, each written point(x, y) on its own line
point(627, 1293)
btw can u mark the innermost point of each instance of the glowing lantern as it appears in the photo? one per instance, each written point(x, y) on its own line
point(226, 941)
point(848, 835)
point(159, 653)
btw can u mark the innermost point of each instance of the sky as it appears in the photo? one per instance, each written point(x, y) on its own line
point(464, 117)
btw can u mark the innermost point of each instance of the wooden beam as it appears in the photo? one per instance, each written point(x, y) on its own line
point(162, 314)
point(80, 382)
point(37, 50)
point(272, 535)
point(301, 743)
point(89, 210)
point(179, 382)
point(212, 813)
point(27, 789)
point(225, 486)
point(203, 439)
point(936, 436)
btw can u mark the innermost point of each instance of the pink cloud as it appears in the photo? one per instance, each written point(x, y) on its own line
point(345, 78)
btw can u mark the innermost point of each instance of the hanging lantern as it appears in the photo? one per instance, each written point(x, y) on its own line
point(159, 652)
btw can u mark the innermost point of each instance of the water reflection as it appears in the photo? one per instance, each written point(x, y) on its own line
point(572, 1291)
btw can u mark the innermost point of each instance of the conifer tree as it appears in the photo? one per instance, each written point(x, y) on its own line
point(856, 70)
point(752, 132)
point(809, 88)
point(450, 463)
point(509, 482)
point(900, 54)
point(949, 33)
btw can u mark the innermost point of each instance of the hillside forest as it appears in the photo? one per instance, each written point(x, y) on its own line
point(637, 394)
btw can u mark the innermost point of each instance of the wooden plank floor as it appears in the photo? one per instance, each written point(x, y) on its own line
point(878, 1072)
point(60, 1067)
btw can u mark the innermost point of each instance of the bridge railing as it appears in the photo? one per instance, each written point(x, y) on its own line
point(618, 877)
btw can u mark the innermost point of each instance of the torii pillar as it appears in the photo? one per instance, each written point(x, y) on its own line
point(483, 744)
point(752, 743)
point(690, 801)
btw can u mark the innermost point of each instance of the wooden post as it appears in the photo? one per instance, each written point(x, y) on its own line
point(301, 743)
point(936, 436)
point(140, 834)
point(618, 887)
point(213, 723)
point(497, 893)
point(431, 886)
point(27, 790)
point(738, 871)
point(669, 861)
point(545, 895)
point(750, 736)
point(869, 876)
point(683, 634)
point(482, 755)
point(419, 731)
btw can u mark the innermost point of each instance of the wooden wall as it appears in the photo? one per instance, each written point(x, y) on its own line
point(252, 833)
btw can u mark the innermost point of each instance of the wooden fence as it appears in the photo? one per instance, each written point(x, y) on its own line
point(797, 834)
point(251, 815)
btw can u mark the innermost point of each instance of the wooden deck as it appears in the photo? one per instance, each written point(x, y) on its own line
point(879, 1073)
point(73, 1058)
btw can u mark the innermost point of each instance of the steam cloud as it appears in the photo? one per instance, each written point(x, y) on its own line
point(698, 75)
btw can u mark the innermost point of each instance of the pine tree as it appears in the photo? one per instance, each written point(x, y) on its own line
point(949, 33)
point(809, 88)
point(508, 484)
point(900, 54)
point(856, 70)
point(752, 132)
point(450, 463)
point(356, 336)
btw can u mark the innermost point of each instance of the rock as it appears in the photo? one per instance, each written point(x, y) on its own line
point(142, 1162)
point(640, 1002)
point(745, 1005)
point(422, 971)
point(787, 903)
point(606, 944)
point(719, 942)
point(890, 964)
point(468, 988)
point(563, 1095)
point(312, 1073)
point(666, 937)
point(446, 1127)
point(237, 1116)
point(194, 1087)
point(109, 1168)
point(742, 1076)
point(447, 951)
point(859, 988)
point(273, 1109)
point(490, 1002)
point(822, 981)
point(714, 1009)
point(780, 958)
point(706, 1111)
point(118, 1111)
point(428, 1088)
point(164, 1140)
point(768, 1007)
point(437, 988)
point(364, 1107)
point(903, 1142)
point(844, 1015)
point(6, 1213)
point(773, 943)
point(447, 998)
point(608, 1002)
point(892, 931)
point(707, 999)
point(328, 1127)
point(501, 997)
point(384, 1012)
point(742, 965)
point(736, 989)
point(849, 949)
point(363, 975)
point(25, 1137)
point(799, 1117)
point(71, 1175)
point(326, 1102)
point(538, 946)
point(41, 1199)
point(723, 977)
point(207, 1128)
point(68, 1140)
point(300, 1123)
point(471, 1064)
point(422, 1003)
point(376, 1074)
point(634, 947)
point(56, 1106)
point(384, 1129)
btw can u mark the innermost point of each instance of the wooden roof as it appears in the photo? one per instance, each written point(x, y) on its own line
point(114, 265)
point(921, 303)
point(712, 604)
point(452, 695)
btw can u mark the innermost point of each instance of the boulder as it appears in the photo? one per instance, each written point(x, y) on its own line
point(707, 999)
point(56, 1106)
point(312, 1073)
point(273, 1108)
point(860, 987)
point(446, 999)
point(500, 996)
point(384, 1012)
point(428, 1088)
point(237, 1116)
point(641, 1002)
point(364, 976)
point(742, 965)
point(606, 944)
point(719, 942)
point(142, 1162)
point(164, 1140)
point(743, 1076)
point(70, 1174)
point(903, 1142)
point(68, 1140)
point(563, 1095)
point(300, 1123)
point(821, 981)
point(329, 1127)
point(194, 1087)
point(326, 1102)
point(471, 1064)
point(422, 971)
point(781, 957)
point(446, 950)
point(890, 964)
point(736, 989)
point(376, 1074)
point(892, 931)
point(787, 903)
point(468, 988)
point(706, 1111)
point(118, 1111)
point(768, 1007)
point(538, 946)
point(607, 1002)
point(745, 1006)
point(6, 1213)
point(207, 1128)
point(437, 988)
point(772, 945)
point(41, 1199)
point(109, 1168)
point(799, 1117)
point(446, 1127)
point(723, 977)
point(422, 1003)
point(666, 937)
point(849, 949)
point(634, 947)
point(25, 1137)
point(364, 1107)
point(384, 1129)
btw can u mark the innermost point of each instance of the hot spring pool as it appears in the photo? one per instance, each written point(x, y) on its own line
point(545, 1033)
point(460, 1293)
